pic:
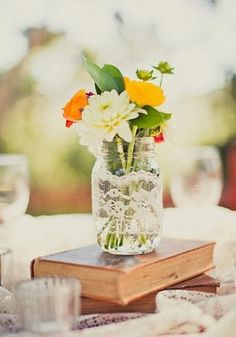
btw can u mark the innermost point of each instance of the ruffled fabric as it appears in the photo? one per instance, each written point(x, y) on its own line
point(179, 312)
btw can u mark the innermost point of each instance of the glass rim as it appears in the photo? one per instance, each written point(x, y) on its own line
point(148, 139)
point(140, 144)
point(201, 151)
point(13, 159)
point(5, 251)
point(27, 284)
point(198, 148)
point(105, 147)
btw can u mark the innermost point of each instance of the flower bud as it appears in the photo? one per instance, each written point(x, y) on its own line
point(159, 138)
point(164, 68)
point(144, 75)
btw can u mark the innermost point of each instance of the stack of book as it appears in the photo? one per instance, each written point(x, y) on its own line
point(114, 283)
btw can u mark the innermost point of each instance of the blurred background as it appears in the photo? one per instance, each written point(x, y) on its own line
point(42, 44)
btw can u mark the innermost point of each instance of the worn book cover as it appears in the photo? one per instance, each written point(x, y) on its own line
point(147, 303)
point(122, 279)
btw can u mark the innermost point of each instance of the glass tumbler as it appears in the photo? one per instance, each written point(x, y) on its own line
point(14, 186)
point(6, 268)
point(196, 179)
point(48, 305)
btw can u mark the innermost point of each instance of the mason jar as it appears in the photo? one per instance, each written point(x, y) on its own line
point(127, 197)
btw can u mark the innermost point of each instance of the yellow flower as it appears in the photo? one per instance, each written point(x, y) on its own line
point(144, 93)
point(73, 109)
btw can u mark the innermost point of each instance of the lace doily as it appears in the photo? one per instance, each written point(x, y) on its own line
point(7, 301)
point(91, 321)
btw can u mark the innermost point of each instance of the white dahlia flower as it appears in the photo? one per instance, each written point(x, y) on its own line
point(106, 116)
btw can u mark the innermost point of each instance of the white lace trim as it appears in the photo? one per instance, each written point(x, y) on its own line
point(135, 198)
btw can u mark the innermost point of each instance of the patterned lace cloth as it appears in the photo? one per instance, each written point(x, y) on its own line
point(179, 312)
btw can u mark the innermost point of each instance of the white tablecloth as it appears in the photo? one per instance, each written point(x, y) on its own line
point(30, 237)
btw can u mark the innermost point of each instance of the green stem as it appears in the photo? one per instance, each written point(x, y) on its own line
point(161, 79)
point(121, 152)
point(107, 242)
point(142, 239)
point(131, 149)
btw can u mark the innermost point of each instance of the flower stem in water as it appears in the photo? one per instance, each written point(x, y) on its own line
point(131, 149)
point(121, 152)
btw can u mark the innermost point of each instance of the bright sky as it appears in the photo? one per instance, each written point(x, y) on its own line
point(199, 39)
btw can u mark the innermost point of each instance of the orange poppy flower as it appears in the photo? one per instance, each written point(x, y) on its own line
point(144, 93)
point(73, 109)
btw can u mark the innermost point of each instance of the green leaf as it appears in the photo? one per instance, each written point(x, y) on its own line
point(152, 119)
point(166, 116)
point(98, 91)
point(117, 76)
point(101, 77)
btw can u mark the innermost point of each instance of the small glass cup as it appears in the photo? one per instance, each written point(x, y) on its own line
point(196, 179)
point(14, 186)
point(48, 305)
point(6, 268)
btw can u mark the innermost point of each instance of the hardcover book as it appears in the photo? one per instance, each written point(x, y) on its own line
point(147, 303)
point(122, 279)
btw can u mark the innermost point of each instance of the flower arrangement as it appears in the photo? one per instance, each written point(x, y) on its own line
point(119, 121)
point(121, 109)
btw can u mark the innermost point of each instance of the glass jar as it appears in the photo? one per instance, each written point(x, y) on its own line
point(127, 197)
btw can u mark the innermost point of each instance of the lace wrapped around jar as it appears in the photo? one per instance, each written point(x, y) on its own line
point(127, 197)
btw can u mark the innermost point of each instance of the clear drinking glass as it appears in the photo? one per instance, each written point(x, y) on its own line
point(196, 178)
point(48, 305)
point(6, 269)
point(14, 186)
